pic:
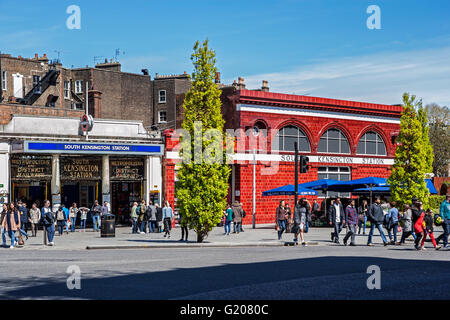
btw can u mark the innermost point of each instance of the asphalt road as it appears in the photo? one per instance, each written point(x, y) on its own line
point(314, 272)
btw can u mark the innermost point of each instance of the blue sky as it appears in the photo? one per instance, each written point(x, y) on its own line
point(314, 47)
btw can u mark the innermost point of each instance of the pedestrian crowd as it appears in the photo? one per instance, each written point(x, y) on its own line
point(412, 221)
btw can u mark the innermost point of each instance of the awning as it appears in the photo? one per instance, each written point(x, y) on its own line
point(289, 190)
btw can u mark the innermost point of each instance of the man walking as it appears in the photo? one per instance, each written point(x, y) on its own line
point(393, 223)
point(336, 215)
point(351, 221)
point(376, 218)
point(444, 212)
point(48, 221)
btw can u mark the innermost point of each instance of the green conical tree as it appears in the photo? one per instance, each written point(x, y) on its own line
point(422, 114)
point(203, 176)
point(411, 160)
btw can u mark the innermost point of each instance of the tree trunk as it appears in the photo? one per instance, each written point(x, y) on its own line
point(199, 238)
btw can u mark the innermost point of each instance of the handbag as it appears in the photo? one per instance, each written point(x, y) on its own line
point(21, 242)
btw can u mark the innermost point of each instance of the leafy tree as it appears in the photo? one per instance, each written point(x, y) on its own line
point(439, 119)
point(427, 147)
point(410, 164)
point(203, 177)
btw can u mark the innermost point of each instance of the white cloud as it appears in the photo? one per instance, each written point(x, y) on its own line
point(378, 78)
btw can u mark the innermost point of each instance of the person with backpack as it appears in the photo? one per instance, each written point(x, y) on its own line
point(228, 217)
point(362, 216)
point(336, 216)
point(351, 221)
point(11, 223)
point(376, 218)
point(60, 220)
point(150, 215)
point(159, 219)
point(48, 221)
point(134, 218)
point(392, 223)
point(167, 218)
point(23, 212)
point(418, 216)
point(428, 220)
point(143, 218)
point(237, 215)
point(444, 212)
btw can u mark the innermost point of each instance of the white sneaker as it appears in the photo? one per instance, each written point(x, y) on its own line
point(304, 244)
point(11, 247)
point(142, 232)
point(51, 244)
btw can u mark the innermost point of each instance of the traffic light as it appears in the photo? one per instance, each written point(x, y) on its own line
point(304, 164)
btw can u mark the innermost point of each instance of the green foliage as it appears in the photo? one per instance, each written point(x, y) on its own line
point(411, 159)
point(439, 119)
point(435, 202)
point(427, 147)
point(202, 182)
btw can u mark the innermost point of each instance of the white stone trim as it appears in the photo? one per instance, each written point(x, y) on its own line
point(314, 113)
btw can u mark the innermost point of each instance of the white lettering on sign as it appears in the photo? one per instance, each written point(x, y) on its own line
point(335, 159)
point(71, 147)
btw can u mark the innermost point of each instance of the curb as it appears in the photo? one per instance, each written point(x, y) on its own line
point(197, 245)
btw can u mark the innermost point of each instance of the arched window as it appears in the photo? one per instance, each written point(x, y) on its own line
point(334, 141)
point(371, 143)
point(285, 138)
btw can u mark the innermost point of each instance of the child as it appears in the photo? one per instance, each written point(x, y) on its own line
point(428, 221)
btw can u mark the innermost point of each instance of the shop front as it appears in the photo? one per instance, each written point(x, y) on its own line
point(68, 172)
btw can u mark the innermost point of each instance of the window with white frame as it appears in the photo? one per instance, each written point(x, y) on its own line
point(162, 96)
point(4, 80)
point(78, 86)
point(162, 117)
point(333, 141)
point(335, 173)
point(36, 85)
point(371, 143)
point(66, 89)
point(287, 136)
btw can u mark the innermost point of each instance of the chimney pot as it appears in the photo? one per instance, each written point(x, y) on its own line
point(241, 80)
point(217, 77)
point(36, 56)
point(265, 85)
point(45, 55)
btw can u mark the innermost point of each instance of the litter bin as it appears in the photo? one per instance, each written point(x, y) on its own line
point(108, 229)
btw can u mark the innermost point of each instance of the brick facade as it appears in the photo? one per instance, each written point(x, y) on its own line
point(243, 109)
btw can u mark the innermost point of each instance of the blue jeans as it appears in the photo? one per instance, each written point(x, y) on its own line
point(22, 232)
point(282, 226)
point(12, 236)
point(379, 226)
point(4, 236)
point(337, 229)
point(134, 225)
point(74, 221)
point(227, 226)
point(50, 232)
point(60, 229)
point(96, 222)
point(83, 224)
point(307, 227)
point(393, 228)
point(144, 226)
point(444, 236)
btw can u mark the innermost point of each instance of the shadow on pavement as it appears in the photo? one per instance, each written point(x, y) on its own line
point(343, 277)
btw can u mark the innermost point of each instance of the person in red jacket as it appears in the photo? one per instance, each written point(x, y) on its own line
point(418, 225)
point(428, 220)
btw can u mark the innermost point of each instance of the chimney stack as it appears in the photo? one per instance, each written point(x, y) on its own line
point(241, 84)
point(265, 86)
point(217, 77)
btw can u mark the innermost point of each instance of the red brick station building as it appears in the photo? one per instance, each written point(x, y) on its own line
point(344, 140)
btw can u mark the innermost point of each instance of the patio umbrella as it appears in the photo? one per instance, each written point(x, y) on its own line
point(321, 184)
point(289, 190)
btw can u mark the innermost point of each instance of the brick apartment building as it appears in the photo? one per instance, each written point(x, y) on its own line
point(344, 140)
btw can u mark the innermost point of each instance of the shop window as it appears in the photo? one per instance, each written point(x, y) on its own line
point(335, 173)
point(334, 141)
point(287, 136)
point(371, 143)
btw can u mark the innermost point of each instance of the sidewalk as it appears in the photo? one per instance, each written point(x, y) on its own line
point(262, 236)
